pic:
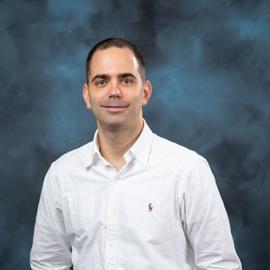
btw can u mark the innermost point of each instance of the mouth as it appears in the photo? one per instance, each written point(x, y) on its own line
point(115, 108)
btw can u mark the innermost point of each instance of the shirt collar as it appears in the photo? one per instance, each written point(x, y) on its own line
point(139, 150)
point(93, 152)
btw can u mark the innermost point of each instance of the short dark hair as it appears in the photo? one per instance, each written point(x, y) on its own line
point(119, 43)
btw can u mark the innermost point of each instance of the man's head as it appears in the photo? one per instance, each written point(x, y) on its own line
point(118, 43)
point(116, 89)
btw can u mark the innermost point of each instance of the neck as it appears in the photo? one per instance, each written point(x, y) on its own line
point(114, 143)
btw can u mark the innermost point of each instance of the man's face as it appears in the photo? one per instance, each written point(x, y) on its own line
point(116, 92)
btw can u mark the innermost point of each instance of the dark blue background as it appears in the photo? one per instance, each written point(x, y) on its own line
point(209, 65)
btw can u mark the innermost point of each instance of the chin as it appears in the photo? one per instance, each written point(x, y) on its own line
point(114, 124)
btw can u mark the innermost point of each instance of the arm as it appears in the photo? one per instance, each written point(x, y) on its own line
point(207, 223)
point(51, 248)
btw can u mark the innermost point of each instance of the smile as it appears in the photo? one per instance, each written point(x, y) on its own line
point(115, 106)
point(115, 109)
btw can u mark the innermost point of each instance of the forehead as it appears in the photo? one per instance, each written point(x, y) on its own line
point(113, 60)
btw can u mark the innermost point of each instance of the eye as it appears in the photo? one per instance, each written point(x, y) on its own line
point(100, 82)
point(128, 81)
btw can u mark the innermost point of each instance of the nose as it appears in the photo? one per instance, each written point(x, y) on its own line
point(115, 90)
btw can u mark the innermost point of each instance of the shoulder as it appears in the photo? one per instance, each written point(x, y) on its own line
point(74, 158)
point(189, 166)
point(175, 154)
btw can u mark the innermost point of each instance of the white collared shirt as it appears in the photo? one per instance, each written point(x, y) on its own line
point(161, 211)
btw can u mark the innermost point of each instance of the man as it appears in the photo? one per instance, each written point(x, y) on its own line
point(129, 199)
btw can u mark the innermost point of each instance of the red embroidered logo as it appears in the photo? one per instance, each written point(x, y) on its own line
point(150, 207)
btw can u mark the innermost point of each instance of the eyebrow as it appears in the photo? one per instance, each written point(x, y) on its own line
point(105, 76)
point(100, 76)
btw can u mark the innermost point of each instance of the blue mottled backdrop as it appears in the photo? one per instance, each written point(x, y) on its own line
point(209, 62)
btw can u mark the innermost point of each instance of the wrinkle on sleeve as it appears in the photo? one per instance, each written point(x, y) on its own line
point(50, 248)
point(207, 223)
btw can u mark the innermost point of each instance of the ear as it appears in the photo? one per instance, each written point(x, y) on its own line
point(147, 92)
point(86, 96)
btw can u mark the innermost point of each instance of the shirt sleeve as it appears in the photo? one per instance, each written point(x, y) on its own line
point(207, 223)
point(50, 248)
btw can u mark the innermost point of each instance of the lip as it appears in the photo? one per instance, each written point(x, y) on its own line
point(115, 108)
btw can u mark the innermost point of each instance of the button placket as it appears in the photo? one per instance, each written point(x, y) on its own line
point(112, 243)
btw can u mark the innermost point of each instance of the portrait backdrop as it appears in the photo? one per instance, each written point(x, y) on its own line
point(209, 63)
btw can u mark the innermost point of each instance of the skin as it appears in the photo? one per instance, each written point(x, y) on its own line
point(116, 94)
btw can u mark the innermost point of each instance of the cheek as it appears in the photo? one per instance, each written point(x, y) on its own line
point(135, 99)
point(140, 99)
point(95, 98)
point(137, 96)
